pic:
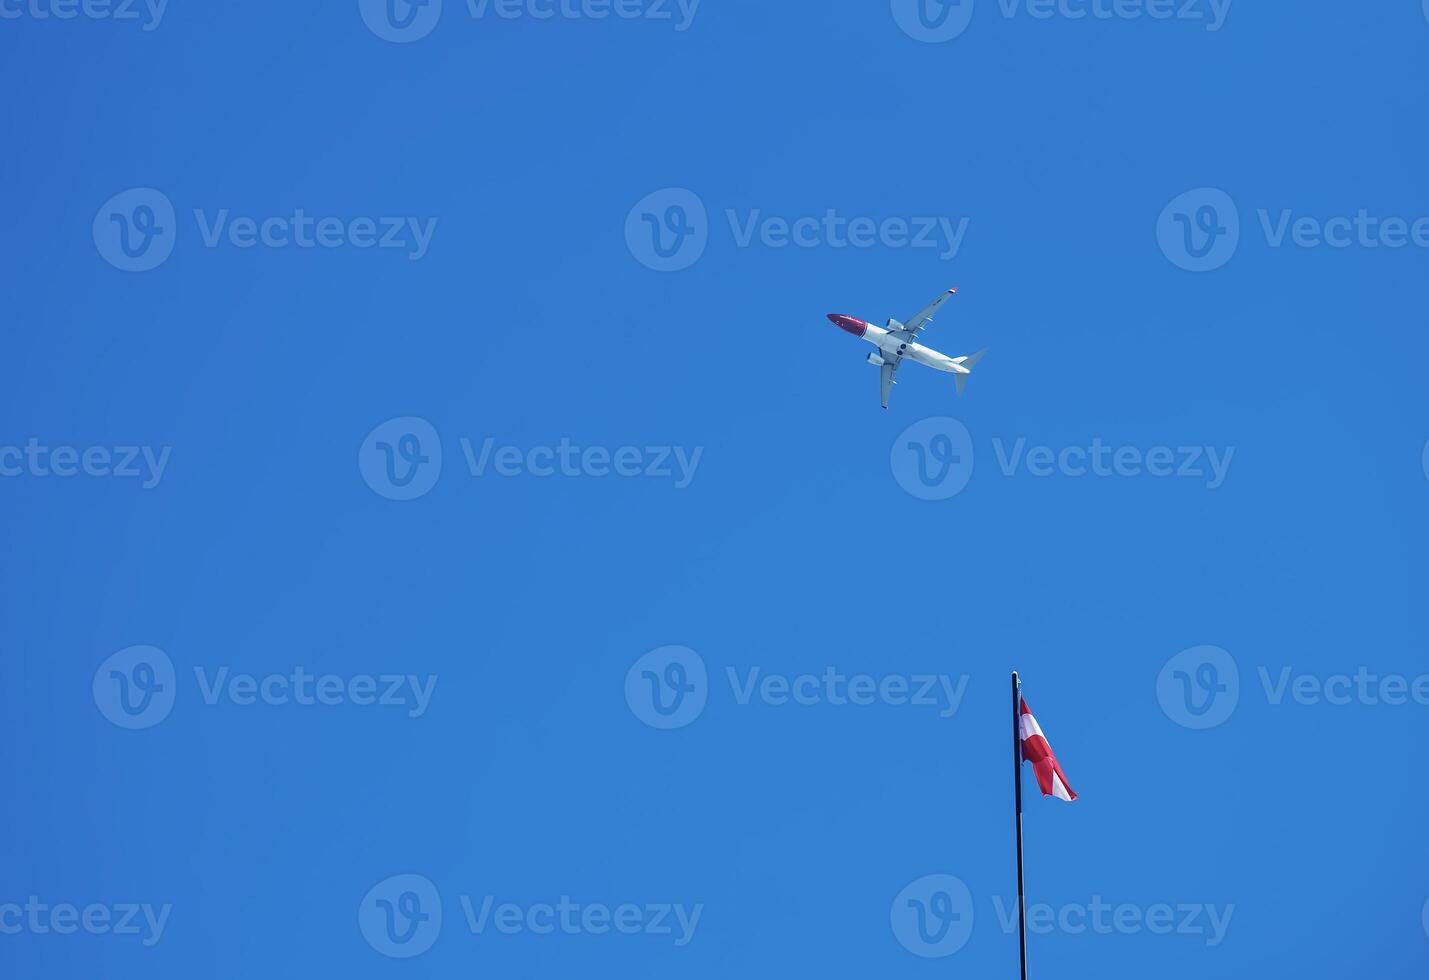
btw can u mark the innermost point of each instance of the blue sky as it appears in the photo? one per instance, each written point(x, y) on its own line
point(419, 566)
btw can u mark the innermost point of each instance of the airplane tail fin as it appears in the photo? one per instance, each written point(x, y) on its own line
point(968, 362)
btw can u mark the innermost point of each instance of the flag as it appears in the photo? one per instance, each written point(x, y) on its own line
point(1036, 751)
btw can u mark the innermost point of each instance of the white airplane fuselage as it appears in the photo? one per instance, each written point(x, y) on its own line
point(897, 343)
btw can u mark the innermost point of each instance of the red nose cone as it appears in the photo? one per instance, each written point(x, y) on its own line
point(853, 325)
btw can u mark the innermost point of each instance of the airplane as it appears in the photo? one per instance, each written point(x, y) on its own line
point(898, 340)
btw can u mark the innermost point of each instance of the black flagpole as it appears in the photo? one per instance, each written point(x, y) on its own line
point(1017, 783)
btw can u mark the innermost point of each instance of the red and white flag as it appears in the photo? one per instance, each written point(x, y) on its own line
point(1036, 751)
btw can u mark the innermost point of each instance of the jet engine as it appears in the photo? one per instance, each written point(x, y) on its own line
point(875, 360)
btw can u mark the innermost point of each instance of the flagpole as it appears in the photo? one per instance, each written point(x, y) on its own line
point(1017, 784)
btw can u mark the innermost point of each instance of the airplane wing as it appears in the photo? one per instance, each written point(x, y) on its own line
point(925, 315)
point(885, 379)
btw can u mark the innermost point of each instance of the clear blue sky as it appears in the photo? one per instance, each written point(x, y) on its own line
point(194, 208)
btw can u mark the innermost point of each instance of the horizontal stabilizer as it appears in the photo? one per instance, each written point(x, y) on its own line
point(967, 362)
